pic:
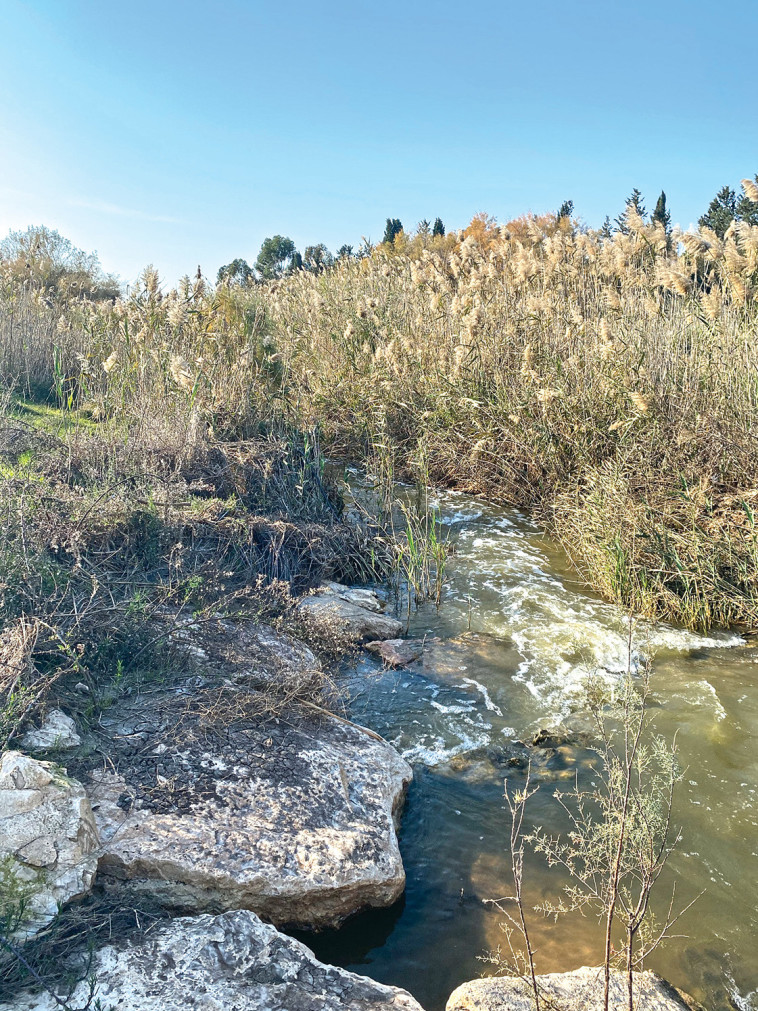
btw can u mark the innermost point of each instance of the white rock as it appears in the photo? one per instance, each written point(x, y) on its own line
point(353, 595)
point(581, 990)
point(48, 838)
point(220, 963)
point(294, 822)
point(57, 731)
point(355, 620)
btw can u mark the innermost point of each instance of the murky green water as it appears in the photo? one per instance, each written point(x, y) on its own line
point(534, 635)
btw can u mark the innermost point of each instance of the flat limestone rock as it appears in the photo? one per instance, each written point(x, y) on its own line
point(48, 839)
point(356, 620)
point(294, 821)
point(219, 963)
point(581, 990)
point(57, 731)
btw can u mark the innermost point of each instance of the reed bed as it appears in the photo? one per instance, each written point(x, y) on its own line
point(608, 384)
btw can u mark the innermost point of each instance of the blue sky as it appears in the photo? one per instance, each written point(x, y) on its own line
point(184, 133)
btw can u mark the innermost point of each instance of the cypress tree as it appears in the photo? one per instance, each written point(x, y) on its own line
point(661, 213)
point(438, 228)
point(393, 227)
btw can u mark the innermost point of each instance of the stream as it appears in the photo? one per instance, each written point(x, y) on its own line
point(518, 634)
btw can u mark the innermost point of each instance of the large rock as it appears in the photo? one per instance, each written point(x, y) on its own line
point(355, 612)
point(581, 990)
point(294, 821)
point(57, 731)
point(48, 839)
point(220, 963)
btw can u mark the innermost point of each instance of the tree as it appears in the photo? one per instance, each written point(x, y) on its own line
point(727, 207)
point(393, 228)
point(661, 213)
point(345, 252)
point(277, 254)
point(46, 261)
point(438, 229)
point(237, 272)
point(423, 228)
point(721, 212)
point(635, 203)
point(296, 263)
point(317, 258)
point(566, 209)
point(606, 230)
point(747, 205)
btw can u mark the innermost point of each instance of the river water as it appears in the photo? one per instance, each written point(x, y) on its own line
point(517, 637)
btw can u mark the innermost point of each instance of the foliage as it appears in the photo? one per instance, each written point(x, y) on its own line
point(721, 212)
point(40, 260)
point(618, 841)
point(317, 258)
point(438, 229)
point(393, 228)
point(276, 255)
point(604, 382)
point(236, 272)
point(634, 203)
point(661, 214)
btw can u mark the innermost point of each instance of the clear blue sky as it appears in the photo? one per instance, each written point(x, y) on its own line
point(181, 133)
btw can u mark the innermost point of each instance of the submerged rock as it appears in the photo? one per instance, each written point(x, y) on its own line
point(219, 963)
point(581, 990)
point(48, 839)
point(56, 731)
point(356, 612)
point(398, 652)
point(295, 822)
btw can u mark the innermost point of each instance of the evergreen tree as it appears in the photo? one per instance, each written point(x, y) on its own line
point(721, 212)
point(635, 202)
point(438, 228)
point(423, 228)
point(747, 209)
point(662, 213)
point(566, 209)
point(317, 258)
point(296, 263)
point(345, 252)
point(394, 227)
point(236, 272)
point(277, 253)
point(607, 228)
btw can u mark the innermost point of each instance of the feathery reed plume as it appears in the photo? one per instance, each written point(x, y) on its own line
point(181, 373)
point(640, 402)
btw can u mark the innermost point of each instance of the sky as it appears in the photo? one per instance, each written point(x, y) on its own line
point(184, 133)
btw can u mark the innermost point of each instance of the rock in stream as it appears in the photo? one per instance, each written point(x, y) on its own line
point(232, 962)
point(294, 821)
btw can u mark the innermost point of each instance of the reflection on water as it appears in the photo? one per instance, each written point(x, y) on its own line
point(456, 715)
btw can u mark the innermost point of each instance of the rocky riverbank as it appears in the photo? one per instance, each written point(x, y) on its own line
point(186, 795)
point(236, 824)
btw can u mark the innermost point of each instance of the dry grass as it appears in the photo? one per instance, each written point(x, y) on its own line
point(608, 385)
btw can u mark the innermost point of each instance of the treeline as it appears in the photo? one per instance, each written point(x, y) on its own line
point(279, 257)
point(44, 261)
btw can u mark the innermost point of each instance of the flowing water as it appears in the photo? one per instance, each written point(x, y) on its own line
point(517, 636)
